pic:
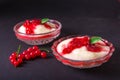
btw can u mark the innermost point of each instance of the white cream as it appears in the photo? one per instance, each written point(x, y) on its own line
point(42, 29)
point(22, 29)
point(81, 53)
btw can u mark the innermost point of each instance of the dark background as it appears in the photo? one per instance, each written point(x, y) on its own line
point(89, 17)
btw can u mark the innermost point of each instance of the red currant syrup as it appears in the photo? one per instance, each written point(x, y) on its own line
point(79, 42)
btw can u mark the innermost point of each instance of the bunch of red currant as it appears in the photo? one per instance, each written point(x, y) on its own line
point(31, 24)
point(31, 53)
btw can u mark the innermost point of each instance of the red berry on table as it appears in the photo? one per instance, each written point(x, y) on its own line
point(19, 60)
point(21, 56)
point(15, 63)
point(16, 59)
point(32, 55)
point(27, 56)
point(30, 49)
point(24, 52)
point(12, 60)
point(14, 54)
point(43, 54)
point(38, 52)
point(11, 57)
point(35, 47)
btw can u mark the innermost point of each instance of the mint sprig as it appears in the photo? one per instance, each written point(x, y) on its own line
point(95, 39)
point(44, 20)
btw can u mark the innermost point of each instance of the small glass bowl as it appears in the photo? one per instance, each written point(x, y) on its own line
point(81, 63)
point(38, 39)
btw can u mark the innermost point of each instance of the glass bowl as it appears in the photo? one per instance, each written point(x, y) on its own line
point(38, 39)
point(81, 63)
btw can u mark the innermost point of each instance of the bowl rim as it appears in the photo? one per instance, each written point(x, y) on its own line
point(53, 48)
point(50, 20)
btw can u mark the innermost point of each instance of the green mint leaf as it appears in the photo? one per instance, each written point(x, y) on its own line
point(95, 39)
point(44, 20)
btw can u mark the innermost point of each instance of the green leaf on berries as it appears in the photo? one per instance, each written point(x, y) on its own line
point(44, 20)
point(95, 39)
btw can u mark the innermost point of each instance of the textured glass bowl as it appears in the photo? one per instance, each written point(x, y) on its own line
point(38, 39)
point(81, 63)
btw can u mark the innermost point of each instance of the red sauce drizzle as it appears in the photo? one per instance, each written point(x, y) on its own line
point(79, 42)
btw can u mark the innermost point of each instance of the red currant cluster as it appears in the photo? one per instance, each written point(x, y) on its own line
point(76, 43)
point(30, 25)
point(31, 53)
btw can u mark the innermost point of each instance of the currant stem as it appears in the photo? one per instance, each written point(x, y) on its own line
point(18, 50)
point(45, 49)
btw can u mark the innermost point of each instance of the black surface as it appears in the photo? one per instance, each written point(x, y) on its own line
point(91, 17)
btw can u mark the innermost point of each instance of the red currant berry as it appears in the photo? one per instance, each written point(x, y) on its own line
point(15, 63)
point(43, 54)
point(27, 56)
point(38, 52)
point(21, 56)
point(12, 60)
point(24, 52)
point(32, 55)
point(26, 23)
point(19, 60)
point(14, 54)
point(30, 49)
point(35, 47)
point(28, 32)
point(11, 57)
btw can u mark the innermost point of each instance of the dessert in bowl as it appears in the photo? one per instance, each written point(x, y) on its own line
point(82, 51)
point(37, 31)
